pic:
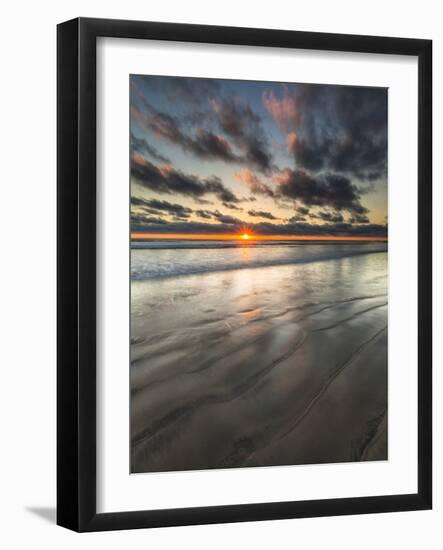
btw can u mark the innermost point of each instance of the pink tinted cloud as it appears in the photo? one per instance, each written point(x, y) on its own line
point(283, 111)
point(291, 140)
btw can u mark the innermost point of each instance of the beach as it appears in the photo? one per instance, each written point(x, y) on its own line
point(257, 355)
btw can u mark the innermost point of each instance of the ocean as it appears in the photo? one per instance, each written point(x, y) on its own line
point(169, 258)
point(257, 354)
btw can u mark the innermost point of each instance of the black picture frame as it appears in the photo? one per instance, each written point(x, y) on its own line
point(76, 265)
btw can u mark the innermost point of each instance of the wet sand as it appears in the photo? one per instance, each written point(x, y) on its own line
point(260, 367)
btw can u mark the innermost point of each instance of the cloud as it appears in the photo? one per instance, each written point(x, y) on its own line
point(208, 145)
point(203, 144)
point(165, 179)
point(231, 206)
point(215, 185)
point(330, 190)
point(191, 90)
point(267, 228)
point(202, 201)
point(235, 119)
point(141, 146)
point(141, 220)
point(359, 218)
point(302, 210)
point(334, 128)
point(207, 214)
point(243, 126)
point(334, 217)
point(226, 219)
point(238, 122)
point(283, 110)
point(297, 218)
point(262, 214)
point(291, 140)
point(255, 185)
point(246, 133)
point(335, 137)
point(168, 180)
point(153, 205)
point(216, 215)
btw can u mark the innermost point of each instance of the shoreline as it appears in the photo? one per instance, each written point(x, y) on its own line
point(249, 266)
point(286, 367)
point(160, 262)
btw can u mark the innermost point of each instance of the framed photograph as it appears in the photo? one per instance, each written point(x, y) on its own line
point(244, 274)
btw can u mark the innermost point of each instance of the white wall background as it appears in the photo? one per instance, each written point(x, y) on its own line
point(27, 289)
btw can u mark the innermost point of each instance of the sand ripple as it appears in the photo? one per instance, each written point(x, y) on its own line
point(280, 365)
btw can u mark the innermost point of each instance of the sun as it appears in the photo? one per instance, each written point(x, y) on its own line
point(245, 236)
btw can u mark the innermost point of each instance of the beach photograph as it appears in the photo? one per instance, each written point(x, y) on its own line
point(258, 274)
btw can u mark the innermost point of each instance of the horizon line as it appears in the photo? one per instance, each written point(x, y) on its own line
point(252, 237)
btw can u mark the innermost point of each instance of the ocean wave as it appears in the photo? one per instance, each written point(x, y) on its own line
point(161, 263)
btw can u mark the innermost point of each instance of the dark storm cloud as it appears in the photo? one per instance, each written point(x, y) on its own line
point(238, 122)
point(334, 217)
point(335, 128)
point(228, 220)
point(231, 206)
point(218, 216)
point(359, 218)
point(215, 185)
point(202, 201)
point(190, 90)
point(140, 220)
point(330, 190)
point(203, 144)
point(208, 145)
point(138, 201)
point(262, 214)
point(302, 210)
point(255, 184)
point(329, 229)
point(297, 218)
point(168, 180)
point(140, 206)
point(285, 203)
point(336, 138)
point(267, 228)
point(244, 127)
point(143, 147)
point(206, 214)
point(165, 179)
point(165, 206)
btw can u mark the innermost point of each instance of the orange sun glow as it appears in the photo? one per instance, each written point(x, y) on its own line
point(245, 236)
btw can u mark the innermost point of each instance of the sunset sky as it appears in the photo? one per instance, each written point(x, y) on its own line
point(225, 157)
